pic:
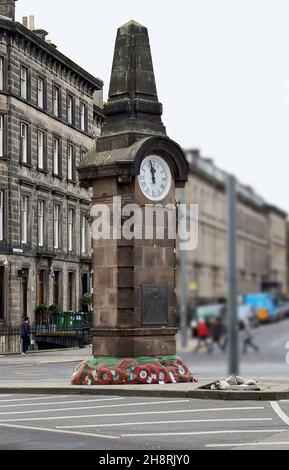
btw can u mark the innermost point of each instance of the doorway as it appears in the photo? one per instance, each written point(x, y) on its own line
point(85, 289)
point(2, 291)
point(24, 293)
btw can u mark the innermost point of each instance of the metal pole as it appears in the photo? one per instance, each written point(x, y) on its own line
point(183, 287)
point(232, 310)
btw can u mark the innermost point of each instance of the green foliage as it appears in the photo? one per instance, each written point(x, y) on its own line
point(42, 308)
point(53, 308)
point(86, 299)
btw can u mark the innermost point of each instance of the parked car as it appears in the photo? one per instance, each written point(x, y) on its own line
point(264, 305)
point(283, 310)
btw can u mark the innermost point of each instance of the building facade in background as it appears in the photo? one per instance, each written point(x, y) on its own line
point(262, 242)
point(50, 116)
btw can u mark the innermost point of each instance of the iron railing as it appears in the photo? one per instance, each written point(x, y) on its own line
point(64, 320)
point(51, 332)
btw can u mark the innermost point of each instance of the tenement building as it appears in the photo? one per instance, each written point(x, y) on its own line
point(262, 244)
point(50, 115)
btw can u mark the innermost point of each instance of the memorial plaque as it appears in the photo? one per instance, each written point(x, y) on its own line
point(154, 304)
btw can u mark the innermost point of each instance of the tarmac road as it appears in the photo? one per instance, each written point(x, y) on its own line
point(270, 361)
point(120, 423)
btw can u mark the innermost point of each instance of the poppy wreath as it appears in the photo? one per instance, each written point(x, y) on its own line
point(143, 374)
point(164, 375)
point(124, 367)
point(80, 374)
point(118, 376)
point(173, 371)
point(154, 373)
point(166, 363)
point(93, 376)
point(104, 376)
point(87, 380)
point(131, 379)
point(183, 371)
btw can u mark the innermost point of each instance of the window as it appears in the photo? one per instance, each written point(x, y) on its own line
point(70, 110)
point(83, 234)
point(70, 162)
point(2, 292)
point(82, 117)
point(24, 142)
point(1, 136)
point(42, 288)
point(56, 157)
point(2, 216)
point(24, 83)
point(82, 154)
point(2, 76)
point(56, 212)
point(24, 219)
point(56, 101)
point(41, 223)
point(41, 150)
point(70, 231)
point(56, 288)
point(71, 291)
point(40, 92)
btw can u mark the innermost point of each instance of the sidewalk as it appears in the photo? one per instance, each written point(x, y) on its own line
point(274, 390)
point(61, 356)
point(271, 389)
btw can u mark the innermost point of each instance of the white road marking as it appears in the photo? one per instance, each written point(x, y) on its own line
point(279, 412)
point(91, 407)
point(251, 444)
point(31, 399)
point(60, 403)
point(205, 433)
point(76, 433)
point(197, 421)
point(139, 413)
point(5, 395)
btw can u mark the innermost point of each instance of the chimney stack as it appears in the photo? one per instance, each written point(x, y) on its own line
point(28, 22)
point(7, 9)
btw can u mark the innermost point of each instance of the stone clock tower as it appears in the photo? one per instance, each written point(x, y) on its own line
point(134, 160)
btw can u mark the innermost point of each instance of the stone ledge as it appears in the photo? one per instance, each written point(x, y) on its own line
point(269, 392)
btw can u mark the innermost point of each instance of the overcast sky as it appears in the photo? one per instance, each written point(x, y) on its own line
point(222, 72)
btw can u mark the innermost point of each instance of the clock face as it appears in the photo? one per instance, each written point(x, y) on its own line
point(155, 178)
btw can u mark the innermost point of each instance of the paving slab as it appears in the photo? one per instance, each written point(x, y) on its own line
point(271, 389)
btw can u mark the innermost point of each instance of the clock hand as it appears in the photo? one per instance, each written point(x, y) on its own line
point(153, 172)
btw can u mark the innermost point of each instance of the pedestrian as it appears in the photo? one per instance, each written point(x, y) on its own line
point(216, 334)
point(224, 335)
point(25, 335)
point(203, 335)
point(248, 336)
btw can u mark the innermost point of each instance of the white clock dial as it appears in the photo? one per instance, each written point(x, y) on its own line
point(155, 178)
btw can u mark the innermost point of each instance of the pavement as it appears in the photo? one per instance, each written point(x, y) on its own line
point(49, 372)
point(61, 356)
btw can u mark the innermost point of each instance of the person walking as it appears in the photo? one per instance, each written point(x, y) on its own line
point(248, 336)
point(203, 335)
point(25, 335)
point(216, 334)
